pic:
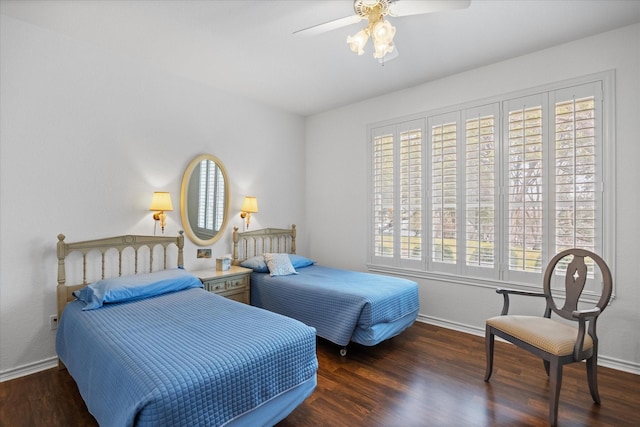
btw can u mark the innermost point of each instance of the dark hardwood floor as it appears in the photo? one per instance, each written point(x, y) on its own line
point(427, 376)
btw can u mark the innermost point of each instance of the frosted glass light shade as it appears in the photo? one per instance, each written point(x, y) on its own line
point(383, 32)
point(358, 41)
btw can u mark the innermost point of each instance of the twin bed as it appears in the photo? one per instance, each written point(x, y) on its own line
point(151, 347)
point(343, 306)
point(186, 357)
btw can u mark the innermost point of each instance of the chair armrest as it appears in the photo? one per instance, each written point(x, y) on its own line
point(506, 292)
point(515, 292)
point(583, 314)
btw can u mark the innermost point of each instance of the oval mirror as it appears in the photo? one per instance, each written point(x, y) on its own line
point(204, 200)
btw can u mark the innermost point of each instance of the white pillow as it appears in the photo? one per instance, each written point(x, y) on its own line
point(279, 264)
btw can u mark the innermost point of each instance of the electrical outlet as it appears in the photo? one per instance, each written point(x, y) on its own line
point(53, 322)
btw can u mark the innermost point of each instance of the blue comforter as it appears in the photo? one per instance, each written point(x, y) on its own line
point(338, 302)
point(188, 358)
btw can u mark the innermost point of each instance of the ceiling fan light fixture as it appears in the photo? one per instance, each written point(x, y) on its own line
point(379, 29)
point(381, 49)
point(383, 32)
point(358, 41)
point(382, 35)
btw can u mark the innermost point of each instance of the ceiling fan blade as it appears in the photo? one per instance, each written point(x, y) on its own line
point(328, 26)
point(415, 7)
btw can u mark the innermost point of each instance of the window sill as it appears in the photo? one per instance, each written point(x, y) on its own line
point(587, 296)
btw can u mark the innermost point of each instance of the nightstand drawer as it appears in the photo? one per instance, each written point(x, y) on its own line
point(213, 285)
point(234, 283)
point(216, 285)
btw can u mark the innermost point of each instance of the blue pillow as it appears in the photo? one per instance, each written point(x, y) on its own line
point(138, 286)
point(258, 265)
point(299, 261)
point(255, 263)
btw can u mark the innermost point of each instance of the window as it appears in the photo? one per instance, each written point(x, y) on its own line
point(397, 172)
point(505, 184)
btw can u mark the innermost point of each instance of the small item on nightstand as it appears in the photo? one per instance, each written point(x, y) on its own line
point(223, 264)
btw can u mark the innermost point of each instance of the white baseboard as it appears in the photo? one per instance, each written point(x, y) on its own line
point(607, 362)
point(620, 365)
point(28, 369)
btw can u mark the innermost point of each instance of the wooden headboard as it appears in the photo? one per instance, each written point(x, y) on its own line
point(110, 244)
point(248, 244)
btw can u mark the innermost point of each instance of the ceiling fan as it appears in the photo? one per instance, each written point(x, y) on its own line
point(378, 28)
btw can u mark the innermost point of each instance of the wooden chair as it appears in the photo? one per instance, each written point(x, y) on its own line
point(556, 342)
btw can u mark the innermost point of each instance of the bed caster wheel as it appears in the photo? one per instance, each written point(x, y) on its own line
point(343, 351)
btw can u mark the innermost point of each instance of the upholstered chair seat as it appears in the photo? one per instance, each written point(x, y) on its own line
point(546, 334)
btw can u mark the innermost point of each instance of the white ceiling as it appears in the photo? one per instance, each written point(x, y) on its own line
point(248, 47)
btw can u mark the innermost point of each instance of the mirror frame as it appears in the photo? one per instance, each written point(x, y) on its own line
point(184, 209)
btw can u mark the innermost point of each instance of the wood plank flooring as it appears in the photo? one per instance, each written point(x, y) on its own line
point(427, 376)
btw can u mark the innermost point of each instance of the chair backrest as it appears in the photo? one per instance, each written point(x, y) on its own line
point(575, 279)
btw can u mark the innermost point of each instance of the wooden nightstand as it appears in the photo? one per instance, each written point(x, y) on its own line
point(234, 283)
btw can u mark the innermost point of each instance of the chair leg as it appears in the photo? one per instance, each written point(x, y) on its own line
point(592, 377)
point(555, 383)
point(546, 366)
point(488, 343)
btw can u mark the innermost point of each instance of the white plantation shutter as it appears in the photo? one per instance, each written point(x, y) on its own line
point(397, 199)
point(411, 193)
point(219, 199)
point(481, 190)
point(203, 199)
point(553, 178)
point(383, 192)
point(211, 197)
point(444, 189)
point(493, 191)
point(575, 174)
point(525, 193)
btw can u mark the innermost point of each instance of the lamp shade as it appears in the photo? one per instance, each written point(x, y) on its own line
point(250, 204)
point(161, 201)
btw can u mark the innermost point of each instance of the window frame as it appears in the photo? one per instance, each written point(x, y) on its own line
point(500, 275)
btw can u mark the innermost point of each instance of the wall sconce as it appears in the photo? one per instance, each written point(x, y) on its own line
point(249, 206)
point(160, 203)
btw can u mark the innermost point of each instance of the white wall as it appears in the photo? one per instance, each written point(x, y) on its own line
point(86, 137)
point(337, 142)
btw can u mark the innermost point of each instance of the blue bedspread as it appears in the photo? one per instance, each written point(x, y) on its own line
point(337, 302)
point(188, 358)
